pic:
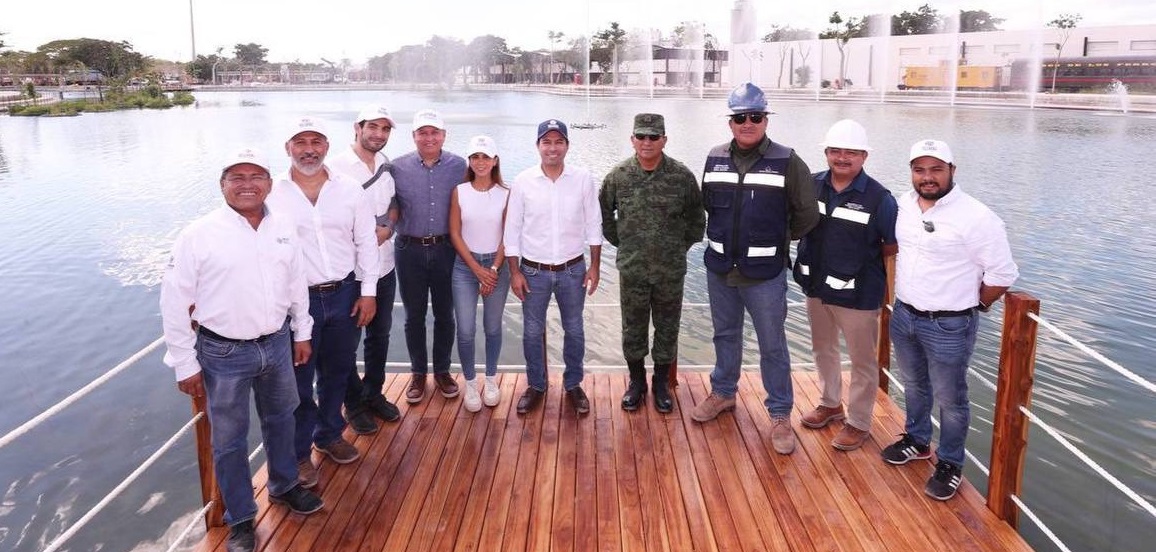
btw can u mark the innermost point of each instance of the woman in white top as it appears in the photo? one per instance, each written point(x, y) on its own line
point(477, 216)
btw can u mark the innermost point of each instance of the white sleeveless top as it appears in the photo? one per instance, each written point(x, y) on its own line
point(482, 216)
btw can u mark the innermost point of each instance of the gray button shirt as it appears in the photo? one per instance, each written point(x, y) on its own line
point(423, 192)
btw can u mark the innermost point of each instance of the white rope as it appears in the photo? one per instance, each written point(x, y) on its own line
point(31, 424)
point(256, 451)
point(56, 544)
point(1091, 463)
point(1107, 361)
point(1039, 523)
point(197, 519)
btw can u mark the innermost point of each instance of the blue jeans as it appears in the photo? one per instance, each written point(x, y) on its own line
point(932, 354)
point(466, 313)
point(566, 286)
point(230, 371)
point(335, 339)
point(424, 276)
point(360, 390)
point(767, 304)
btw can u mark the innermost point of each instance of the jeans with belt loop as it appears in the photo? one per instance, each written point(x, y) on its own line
point(466, 295)
point(566, 287)
point(335, 339)
point(376, 352)
point(424, 277)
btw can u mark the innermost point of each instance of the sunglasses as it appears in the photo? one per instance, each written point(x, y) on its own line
point(741, 118)
point(651, 137)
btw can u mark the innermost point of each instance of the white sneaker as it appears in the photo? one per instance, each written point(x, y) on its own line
point(473, 401)
point(491, 395)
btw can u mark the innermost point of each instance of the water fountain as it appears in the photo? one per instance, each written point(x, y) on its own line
point(1119, 90)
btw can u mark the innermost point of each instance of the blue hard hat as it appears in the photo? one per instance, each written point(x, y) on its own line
point(748, 98)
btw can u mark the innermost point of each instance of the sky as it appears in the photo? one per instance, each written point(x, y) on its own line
point(306, 31)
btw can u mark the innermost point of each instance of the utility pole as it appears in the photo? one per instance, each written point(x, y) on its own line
point(192, 32)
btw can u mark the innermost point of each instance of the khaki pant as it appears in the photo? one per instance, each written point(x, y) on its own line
point(860, 330)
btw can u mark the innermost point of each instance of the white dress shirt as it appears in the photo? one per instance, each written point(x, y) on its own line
point(941, 269)
point(549, 221)
point(242, 281)
point(379, 194)
point(337, 234)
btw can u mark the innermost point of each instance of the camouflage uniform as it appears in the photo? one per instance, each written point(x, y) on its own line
point(653, 219)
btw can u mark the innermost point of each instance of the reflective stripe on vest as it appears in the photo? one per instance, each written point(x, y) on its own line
point(765, 179)
point(762, 251)
point(725, 177)
point(852, 215)
point(836, 283)
point(822, 208)
point(805, 270)
point(716, 246)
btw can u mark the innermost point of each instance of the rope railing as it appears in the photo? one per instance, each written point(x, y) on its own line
point(197, 520)
point(1040, 523)
point(1132, 376)
point(79, 394)
point(113, 494)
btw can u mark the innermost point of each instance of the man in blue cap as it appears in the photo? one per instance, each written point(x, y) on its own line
point(758, 196)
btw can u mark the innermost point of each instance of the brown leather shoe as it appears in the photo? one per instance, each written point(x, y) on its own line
point(782, 435)
point(578, 398)
point(307, 473)
point(416, 390)
point(822, 415)
point(711, 407)
point(850, 438)
point(530, 399)
point(340, 451)
point(446, 384)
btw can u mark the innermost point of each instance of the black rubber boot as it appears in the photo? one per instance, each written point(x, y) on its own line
point(636, 391)
point(663, 402)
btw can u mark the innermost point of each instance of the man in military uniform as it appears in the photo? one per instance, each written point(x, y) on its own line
point(652, 212)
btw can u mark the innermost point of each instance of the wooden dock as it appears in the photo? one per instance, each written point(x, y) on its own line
point(445, 479)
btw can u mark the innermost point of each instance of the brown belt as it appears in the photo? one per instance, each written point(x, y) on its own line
point(550, 267)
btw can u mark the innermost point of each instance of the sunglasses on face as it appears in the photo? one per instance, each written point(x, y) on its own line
point(651, 137)
point(741, 118)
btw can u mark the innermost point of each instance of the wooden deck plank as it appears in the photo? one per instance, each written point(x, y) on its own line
point(445, 479)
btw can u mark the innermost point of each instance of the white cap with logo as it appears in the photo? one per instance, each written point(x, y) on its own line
point(482, 144)
point(245, 156)
point(373, 112)
point(428, 117)
point(305, 124)
point(932, 148)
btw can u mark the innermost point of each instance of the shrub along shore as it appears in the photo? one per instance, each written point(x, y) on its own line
point(113, 99)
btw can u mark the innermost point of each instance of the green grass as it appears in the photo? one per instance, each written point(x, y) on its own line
point(113, 101)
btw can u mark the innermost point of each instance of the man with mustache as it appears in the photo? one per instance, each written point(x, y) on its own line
point(364, 163)
point(954, 262)
point(335, 226)
point(840, 269)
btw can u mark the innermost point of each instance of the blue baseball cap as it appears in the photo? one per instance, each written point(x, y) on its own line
point(552, 124)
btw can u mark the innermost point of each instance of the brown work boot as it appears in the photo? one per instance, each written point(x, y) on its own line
point(822, 415)
point(416, 390)
point(446, 384)
point(782, 435)
point(711, 407)
point(307, 473)
point(850, 438)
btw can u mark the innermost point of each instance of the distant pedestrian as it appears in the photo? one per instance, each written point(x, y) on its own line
point(954, 262)
point(652, 212)
point(477, 217)
point(232, 292)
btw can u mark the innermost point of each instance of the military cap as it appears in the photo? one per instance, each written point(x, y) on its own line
point(651, 124)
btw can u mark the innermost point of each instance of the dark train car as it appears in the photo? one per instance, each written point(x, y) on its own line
point(1088, 73)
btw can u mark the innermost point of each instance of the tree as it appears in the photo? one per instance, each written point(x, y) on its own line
point(201, 69)
point(1063, 25)
point(925, 20)
point(446, 55)
point(978, 21)
point(2, 39)
point(115, 60)
point(843, 31)
point(606, 45)
point(787, 33)
point(484, 52)
point(251, 54)
point(555, 37)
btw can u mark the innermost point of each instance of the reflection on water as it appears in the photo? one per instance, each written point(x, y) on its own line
point(90, 206)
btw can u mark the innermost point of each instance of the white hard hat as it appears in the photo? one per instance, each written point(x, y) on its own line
point(846, 134)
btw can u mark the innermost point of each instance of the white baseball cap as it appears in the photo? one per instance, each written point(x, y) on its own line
point(482, 144)
point(373, 112)
point(428, 117)
point(243, 156)
point(932, 148)
point(305, 124)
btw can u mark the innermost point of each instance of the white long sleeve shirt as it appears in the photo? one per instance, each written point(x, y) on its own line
point(242, 282)
point(942, 269)
point(552, 222)
point(337, 234)
point(379, 194)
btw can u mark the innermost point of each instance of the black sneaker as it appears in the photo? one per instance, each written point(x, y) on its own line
point(944, 481)
point(241, 537)
point(905, 450)
point(379, 406)
point(361, 422)
point(299, 500)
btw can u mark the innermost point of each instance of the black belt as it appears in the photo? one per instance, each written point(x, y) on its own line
point(218, 337)
point(937, 314)
point(330, 286)
point(425, 240)
point(550, 267)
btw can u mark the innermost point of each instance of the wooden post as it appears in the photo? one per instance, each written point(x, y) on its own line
point(883, 347)
point(215, 516)
point(1017, 361)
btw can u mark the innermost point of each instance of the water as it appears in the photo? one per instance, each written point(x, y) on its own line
point(90, 205)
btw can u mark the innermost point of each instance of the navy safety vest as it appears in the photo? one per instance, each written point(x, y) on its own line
point(746, 216)
point(840, 261)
